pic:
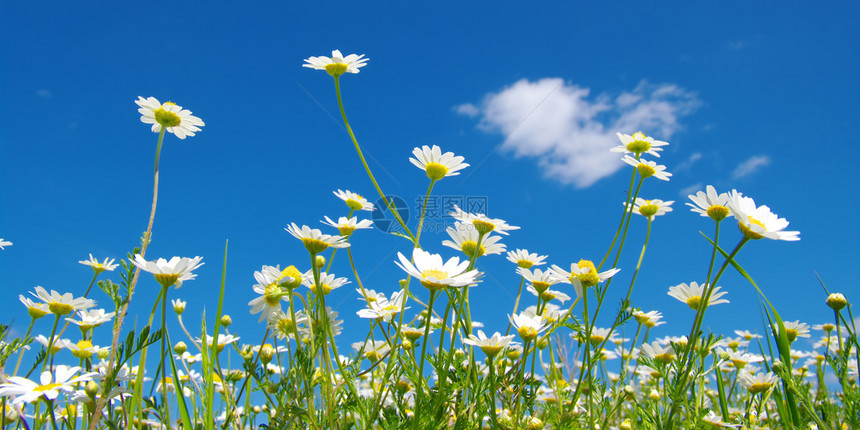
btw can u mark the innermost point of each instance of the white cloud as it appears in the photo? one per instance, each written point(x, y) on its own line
point(570, 132)
point(688, 163)
point(750, 166)
point(692, 189)
point(467, 109)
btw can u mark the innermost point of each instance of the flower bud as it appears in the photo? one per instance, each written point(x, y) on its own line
point(625, 425)
point(837, 301)
point(180, 347)
point(654, 395)
point(320, 261)
point(402, 283)
point(267, 353)
point(178, 306)
point(92, 388)
point(777, 367)
point(226, 320)
point(10, 413)
point(103, 353)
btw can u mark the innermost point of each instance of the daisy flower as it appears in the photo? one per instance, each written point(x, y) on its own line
point(169, 116)
point(692, 294)
point(346, 226)
point(372, 350)
point(638, 144)
point(436, 164)
point(56, 344)
point(598, 335)
point(283, 325)
point(796, 329)
point(482, 223)
point(99, 267)
point(178, 306)
point(523, 258)
point(648, 319)
point(383, 308)
point(35, 309)
point(314, 240)
point(84, 349)
point(354, 201)
point(540, 280)
point(548, 295)
point(651, 208)
point(663, 354)
point(489, 345)
point(327, 282)
point(434, 274)
point(169, 272)
point(529, 326)
point(4, 243)
point(583, 274)
point(337, 64)
point(50, 385)
point(710, 204)
point(335, 324)
point(758, 383)
point(648, 168)
point(741, 359)
point(91, 319)
point(465, 239)
point(273, 286)
point(757, 222)
point(748, 335)
point(717, 420)
point(62, 304)
point(223, 340)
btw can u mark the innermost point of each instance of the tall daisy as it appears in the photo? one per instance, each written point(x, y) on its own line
point(62, 304)
point(436, 164)
point(273, 285)
point(169, 272)
point(50, 385)
point(692, 294)
point(482, 223)
point(757, 222)
point(314, 240)
point(489, 345)
point(710, 204)
point(525, 259)
point(353, 200)
point(346, 226)
point(583, 274)
point(638, 144)
point(337, 64)
point(434, 274)
point(648, 168)
point(169, 115)
point(651, 208)
point(465, 238)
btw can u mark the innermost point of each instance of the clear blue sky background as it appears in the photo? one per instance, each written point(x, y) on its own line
point(761, 97)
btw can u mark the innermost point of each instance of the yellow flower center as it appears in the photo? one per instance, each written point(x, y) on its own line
point(596, 339)
point(167, 279)
point(286, 326)
point(468, 247)
point(748, 232)
point(84, 349)
point(590, 277)
point(167, 118)
point(718, 212)
point(541, 287)
point(648, 209)
point(646, 170)
point(491, 350)
point(294, 273)
point(355, 204)
point(47, 387)
point(759, 387)
point(740, 364)
point(547, 296)
point(527, 333)
point(272, 295)
point(694, 301)
point(734, 345)
point(525, 264)
point(665, 358)
point(36, 312)
point(791, 333)
point(639, 144)
point(58, 308)
point(322, 288)
point(435, 171)
point(482, 226)
point(346, 230)
point(438, 275)
point(314, 246)
point(336, 69)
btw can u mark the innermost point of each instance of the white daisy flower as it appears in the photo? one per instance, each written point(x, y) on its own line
point(50, 385)
point(84, 349)
point(327, 282)
point(434, 274)
point(647, 168)
point(648, 319)
point(541, 280)
point(748, 335)
point(354, 201)
point(692, 294)
point(548, 295)
point(436, 164)
point(372, 350)
point(482, 223)
point(465, 239)
point(523, 258)
point(741, 359)
point(223, 340)
point(346, 226)
point(598, 335)
point(168, 115)
point(62, 304)
point(337, 64)
point(273, 285)
point(528, 325)
point(710, 204)
point(35, 309)
point(91, 319)
point(664, 354)
point(796, 329)
point(99, 267)
point(489, 345)
point(757, 222)
point(4, 243)
point(638, 144)
point(717, 420)
point(758, 383)
point(651, 208)
point(583, 274)
point(169, 272)
point(384, 308)
point(335, 324)
point(56, 344)
point(314, 240)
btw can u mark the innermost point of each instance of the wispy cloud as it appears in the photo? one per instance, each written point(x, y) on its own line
point(750, 166)
point(686, 191)
point(570, 132)
point(688, 163)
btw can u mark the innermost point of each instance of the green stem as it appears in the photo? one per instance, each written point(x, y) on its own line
point(423, 212)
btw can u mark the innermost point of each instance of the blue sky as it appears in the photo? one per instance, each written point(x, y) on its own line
point(759, 97)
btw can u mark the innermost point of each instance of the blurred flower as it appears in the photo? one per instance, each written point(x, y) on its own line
point(384, 308)
point(91, 319)
point(56, 343)
point(434, 274)
point(223, 340)
point(648, 319)
point(4, 243)
point(168, 273)
point(436, 164)
point(758, 383)
point(638, 144)
point(314, 240)
point(757, 222)
point(168, 115)
point(692, 294)
point(524, 259)
point(337, 64)
point(49, 386)
point(99, 267)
